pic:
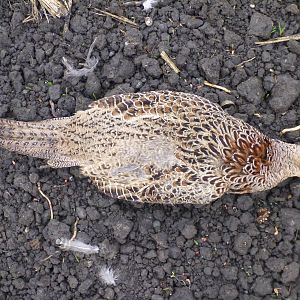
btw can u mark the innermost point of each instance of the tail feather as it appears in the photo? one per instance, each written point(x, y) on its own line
point(38, 139)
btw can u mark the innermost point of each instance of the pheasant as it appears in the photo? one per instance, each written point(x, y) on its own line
point(158, 147)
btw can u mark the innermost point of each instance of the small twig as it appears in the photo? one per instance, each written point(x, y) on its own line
point(49, 256)
point(217, 87)
point(281, 39)
point(116, 17)
point(52, 108)
point(48, 200)
point(132, 3)
point(290, 129)
point(245, 61)
point(46, 258)
point(74, 229)
point(168, 60)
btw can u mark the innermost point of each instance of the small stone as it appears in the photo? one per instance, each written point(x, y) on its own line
point(28, 75)
point(260, 25)
point(228, 292)
point(161, 239)
point(157, 297)
point(148, 21)
point(263, 286)
point(26, 216)
point(39, 55)
point(294, 46)
point(92, 85)
point(175, 252)
point(21, 181)
point(159, 272)
point(5, 40)
point(109, 250)
point(156, 224)
point(162, 255)
point(289, 62)
point(232, 223)
point(275, 264)
point(84, 286)
point(266, 57)
point(284, 93)
point(268, 83)
point(230, 273)
point(34, 178)
point(211, 68)
point(16, 80)
point(67, 103)
point(182, 293)
point(73, 282)
point(121, 229)
point(54, 92)
point(290, 272)
point(205, 253)
point(242, 243)
point(189, 231)
point(92, 213)
point(257, 269)
point(295, 189)
point(212, 292)
point(290, 218)
point(3, 110)
point(252, 90)
point(109, 294)
point(55, 229)
point(80, 212)
point(78, 24)
point(150, 254)
point(152, 67)
point(293, 9)
point(118, 68)
point(193, 22)
point(207, 271)
point(19, 283)
point(101, 41)
point(244, 203)
point(232, 39)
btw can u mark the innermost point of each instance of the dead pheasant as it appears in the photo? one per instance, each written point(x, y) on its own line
point(162, 147)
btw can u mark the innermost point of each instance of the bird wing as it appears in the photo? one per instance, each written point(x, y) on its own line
point(152, 145)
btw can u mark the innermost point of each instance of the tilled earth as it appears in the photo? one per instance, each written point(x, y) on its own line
point(239, 247)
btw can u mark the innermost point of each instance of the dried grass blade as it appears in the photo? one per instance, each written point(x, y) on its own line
point(54, 7)
point(169, 61)
point(293, 37)
point(116, 17)
point(217, 87)
point(290, 129)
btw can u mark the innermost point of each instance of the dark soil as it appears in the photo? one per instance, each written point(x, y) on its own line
point(219, 251)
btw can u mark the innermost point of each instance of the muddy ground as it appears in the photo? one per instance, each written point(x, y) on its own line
point(226, 250)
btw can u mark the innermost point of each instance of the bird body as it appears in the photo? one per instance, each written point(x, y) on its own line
point(158, 147)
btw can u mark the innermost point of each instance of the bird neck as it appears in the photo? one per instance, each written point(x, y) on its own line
point(288, 157)
point(295, 159)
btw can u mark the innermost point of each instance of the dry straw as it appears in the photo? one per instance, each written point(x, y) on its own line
point(55, 8)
